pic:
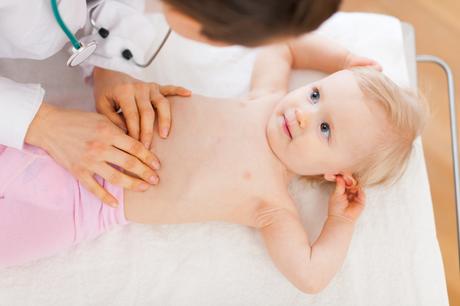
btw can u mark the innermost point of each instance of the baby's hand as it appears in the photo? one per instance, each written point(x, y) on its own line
point(347, 201)
point(353, 60)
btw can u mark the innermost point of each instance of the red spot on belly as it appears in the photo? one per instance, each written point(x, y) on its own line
point(247, 175)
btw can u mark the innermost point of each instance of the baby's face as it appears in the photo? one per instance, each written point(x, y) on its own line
point(325, 127)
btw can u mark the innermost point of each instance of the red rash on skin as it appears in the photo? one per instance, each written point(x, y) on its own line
point(247, 175)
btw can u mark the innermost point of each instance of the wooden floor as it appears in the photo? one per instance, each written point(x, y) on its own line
point(437, 26)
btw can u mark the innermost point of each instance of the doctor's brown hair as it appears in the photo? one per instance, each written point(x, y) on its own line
point(254, 22)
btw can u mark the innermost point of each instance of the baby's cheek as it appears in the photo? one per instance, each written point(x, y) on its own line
point(298, 159)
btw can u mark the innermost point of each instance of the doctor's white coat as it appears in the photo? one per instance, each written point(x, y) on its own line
point(29, 30)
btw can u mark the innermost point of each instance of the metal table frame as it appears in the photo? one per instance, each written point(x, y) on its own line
point(409, 35)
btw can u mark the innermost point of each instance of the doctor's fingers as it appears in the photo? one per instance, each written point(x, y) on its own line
point(163, 108)
point(147, 117)
point(108, 108)
point(138, 171)
point(128, 105)
point(89, 182)
point(136, 149)
point(120, 179)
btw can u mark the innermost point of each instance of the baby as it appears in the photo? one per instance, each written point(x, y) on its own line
point(233, 162)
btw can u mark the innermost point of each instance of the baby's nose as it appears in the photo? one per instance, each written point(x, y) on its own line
point(301, 118)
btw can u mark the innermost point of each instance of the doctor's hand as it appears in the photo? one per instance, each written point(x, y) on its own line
point(132, 105)
point(87, 144)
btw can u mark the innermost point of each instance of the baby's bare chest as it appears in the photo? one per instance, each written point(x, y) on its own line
point(223, 183)
point(218, 167)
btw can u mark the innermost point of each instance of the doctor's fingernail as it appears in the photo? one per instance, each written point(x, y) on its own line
point(164, 132)
point(156, 165)
point(153, 179)
point(111, 202)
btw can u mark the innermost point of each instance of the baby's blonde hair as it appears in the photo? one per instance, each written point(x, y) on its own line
point(406, 114)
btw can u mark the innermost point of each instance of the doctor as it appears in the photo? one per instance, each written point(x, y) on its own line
point(88, 143)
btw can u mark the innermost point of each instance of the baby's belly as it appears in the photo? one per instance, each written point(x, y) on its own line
point(223, 183)
point(199, 199)
point(214, 164)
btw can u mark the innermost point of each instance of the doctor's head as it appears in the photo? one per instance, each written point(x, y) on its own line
point(353, 123)
point(246, 22)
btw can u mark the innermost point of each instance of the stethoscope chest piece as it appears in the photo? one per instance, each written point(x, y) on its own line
point(81, 54)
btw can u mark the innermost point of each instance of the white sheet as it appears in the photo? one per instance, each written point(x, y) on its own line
point(394, 257)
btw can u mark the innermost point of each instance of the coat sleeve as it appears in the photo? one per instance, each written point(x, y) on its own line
point(18, 105)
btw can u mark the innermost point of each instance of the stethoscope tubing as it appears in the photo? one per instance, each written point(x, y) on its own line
point(152, 58)
point(73, 40)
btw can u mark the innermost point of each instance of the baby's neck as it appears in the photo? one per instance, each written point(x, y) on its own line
point(288, 174)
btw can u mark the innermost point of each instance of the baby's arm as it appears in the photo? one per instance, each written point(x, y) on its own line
point(312, 51)
point(311, 268)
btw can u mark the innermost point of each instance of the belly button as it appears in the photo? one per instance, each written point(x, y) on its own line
point(2, 197)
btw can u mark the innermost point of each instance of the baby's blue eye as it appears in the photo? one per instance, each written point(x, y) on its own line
point(325, 129)
point(314, 95)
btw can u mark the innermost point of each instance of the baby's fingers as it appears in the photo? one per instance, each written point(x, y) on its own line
point(356, 207)
point(377, 67)
point(339, 186)
point(361, 197)
point(361, 61)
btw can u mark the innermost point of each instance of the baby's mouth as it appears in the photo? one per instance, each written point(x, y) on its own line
point(286, 127)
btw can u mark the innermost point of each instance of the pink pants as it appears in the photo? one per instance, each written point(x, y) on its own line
point(44, 210)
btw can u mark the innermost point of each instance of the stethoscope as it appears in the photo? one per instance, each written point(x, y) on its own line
point(81, 51)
